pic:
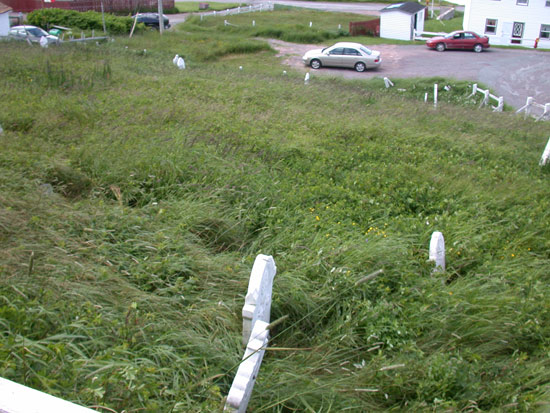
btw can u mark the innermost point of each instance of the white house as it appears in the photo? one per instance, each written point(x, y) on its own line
point(4, 19)
point(399, 21)
point(510, 22)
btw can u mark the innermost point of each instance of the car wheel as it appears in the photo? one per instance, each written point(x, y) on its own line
point(360, 67)
point(315, 64)
point(478, 48)
point(440, 47)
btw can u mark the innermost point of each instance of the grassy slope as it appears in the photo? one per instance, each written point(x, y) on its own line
point(167, 184)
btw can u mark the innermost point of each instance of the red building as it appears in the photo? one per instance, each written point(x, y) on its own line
point(26, 6)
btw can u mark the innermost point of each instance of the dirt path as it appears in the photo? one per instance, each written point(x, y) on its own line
point(512, 73)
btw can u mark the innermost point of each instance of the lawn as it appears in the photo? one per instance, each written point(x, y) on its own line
point(193, 6)
point(135, 197)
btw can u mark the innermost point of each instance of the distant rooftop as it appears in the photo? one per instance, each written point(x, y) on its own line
point(409, 7)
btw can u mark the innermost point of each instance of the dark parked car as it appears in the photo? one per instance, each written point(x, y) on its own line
point(152, 20)
point(459, 40)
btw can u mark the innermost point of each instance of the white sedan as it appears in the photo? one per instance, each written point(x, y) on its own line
point(343, 54)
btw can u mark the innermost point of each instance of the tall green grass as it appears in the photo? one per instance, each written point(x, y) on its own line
point(132, 208)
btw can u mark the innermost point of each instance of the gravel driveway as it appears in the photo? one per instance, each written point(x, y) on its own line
point(512, 73)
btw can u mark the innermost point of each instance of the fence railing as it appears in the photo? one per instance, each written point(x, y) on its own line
point(238, 10)
point(537, 110)
point(487, 96)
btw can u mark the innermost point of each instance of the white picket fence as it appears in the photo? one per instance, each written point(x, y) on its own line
point(238, 10)
point(487, 96)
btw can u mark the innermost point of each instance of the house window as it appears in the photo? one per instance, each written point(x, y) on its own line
point(545, 31)
point(522, 2)
point(491, 26)
point(547, 3)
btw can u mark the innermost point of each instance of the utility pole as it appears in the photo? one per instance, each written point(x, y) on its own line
point(161, 18)
point(103, 17)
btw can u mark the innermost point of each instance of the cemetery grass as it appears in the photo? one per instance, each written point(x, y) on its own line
point(135, 198)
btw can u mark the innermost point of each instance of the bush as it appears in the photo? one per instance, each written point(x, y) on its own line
point(81, 20)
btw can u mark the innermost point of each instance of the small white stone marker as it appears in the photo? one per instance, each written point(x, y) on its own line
point(388, 82)
point(310, 24)
point(181, 63)
point(175, 60)
point(306, 79)
point(44, 42)
point(437, 251)
point(245, 378)
point(544, 158)
point(16, 398)
point(1, 130)
point(240, 68)
point(425, 97)
point(257, 303)
point(284, 72)
point(435, 95)
point(339, 27)
point(253, 23)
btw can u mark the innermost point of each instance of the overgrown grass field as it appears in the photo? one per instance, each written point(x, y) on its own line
point(136, 196)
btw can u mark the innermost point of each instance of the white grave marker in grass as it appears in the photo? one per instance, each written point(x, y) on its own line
point(437, 251)
point(306, 79)
point(16, 398)
point(545, 155)
point(435, 95)
point(181, 63)
point(387, 82)
point(245, 378)
point(257, 303)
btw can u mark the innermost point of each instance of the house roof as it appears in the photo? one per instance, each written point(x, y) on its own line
point(409, 7)
point(4, 8)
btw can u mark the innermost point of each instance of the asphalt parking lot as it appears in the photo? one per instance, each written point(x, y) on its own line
point(514, 74)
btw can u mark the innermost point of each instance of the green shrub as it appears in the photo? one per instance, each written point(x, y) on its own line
point(89, 20)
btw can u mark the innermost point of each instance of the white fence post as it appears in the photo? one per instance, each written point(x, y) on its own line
point(257, 303)
point(474, 90)
point(245, 378)
point(435, 95)
point(437, 251)
point(500, 105)
point(545, 155)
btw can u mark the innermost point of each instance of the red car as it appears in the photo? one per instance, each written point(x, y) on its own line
point(459, 40)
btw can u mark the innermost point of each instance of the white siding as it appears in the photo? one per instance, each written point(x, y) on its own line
point(4, 24)
point(395, 25)
point(506, 12)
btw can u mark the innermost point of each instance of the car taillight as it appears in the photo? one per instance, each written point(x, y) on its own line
point(376, 60)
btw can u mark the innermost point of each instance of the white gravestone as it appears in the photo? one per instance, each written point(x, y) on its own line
point(16, 398)
point(306, 79)
point(44, 42)
point(243, 383)
point(545, 155)
point(180, 63)
point(387, 82)
point(257, 303)
point(437, 251)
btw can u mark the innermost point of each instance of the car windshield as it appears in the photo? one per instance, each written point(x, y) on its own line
point(35, 31)
point(365, 50)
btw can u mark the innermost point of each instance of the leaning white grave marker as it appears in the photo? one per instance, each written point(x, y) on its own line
point(306, 79)
point(16, 398)
point(257, 303)
point(243, 383)
point(387, 82)
point(437, 251)
point(545, 155)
